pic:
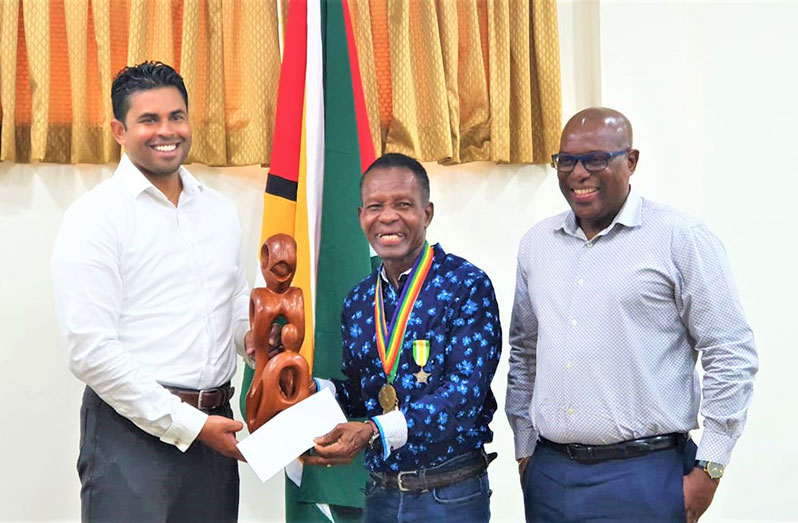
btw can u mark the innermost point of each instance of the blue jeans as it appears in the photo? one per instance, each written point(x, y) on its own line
point(648, 488)
point(467, 500)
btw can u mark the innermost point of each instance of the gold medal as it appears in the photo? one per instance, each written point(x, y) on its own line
point(388, 399)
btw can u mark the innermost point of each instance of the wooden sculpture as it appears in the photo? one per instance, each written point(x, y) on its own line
point(280, 380)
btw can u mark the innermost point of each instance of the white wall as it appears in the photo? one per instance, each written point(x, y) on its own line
point(39, 436)
point(707, 87)
point(710, 88)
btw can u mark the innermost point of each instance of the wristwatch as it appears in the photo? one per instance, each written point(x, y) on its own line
point(375, 442)
point(712, 469)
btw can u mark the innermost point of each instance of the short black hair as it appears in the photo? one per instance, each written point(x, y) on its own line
point(389, 160)
point(143, 77)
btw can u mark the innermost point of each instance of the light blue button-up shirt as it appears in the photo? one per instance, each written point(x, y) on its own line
point(605, 333)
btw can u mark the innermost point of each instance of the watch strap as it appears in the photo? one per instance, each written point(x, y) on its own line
point(374, 440)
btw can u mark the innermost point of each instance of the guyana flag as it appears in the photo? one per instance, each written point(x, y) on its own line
point(321, 148)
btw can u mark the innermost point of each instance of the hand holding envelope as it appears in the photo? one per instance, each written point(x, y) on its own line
point(290, 433)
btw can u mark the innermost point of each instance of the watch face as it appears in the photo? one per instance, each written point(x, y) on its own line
point(715, 470)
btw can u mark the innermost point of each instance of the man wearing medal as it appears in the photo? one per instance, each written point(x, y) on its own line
point(421, 341)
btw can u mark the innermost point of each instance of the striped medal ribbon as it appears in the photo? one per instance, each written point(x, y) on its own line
point(389, 341)
point(421, 357)
point(421, 352)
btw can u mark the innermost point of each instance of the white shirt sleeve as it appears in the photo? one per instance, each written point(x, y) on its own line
point(241, 311)
point(523, 362)
point(393, 431)
point(392, 426)
point(325, 384)
point(88, 292)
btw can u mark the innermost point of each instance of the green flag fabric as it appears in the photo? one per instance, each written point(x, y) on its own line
point(343, 257)
point(344, 252)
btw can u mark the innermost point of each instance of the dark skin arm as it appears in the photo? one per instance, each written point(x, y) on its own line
point(341, 444)
point(699, 489)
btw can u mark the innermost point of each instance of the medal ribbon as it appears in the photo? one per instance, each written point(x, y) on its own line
point(390, 345)
point(421, 352)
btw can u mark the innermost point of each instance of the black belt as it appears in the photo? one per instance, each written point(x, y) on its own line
point(634, 448)
point(435, 477)
point(206, 399)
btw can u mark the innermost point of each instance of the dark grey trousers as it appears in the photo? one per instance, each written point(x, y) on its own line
point(129, 475)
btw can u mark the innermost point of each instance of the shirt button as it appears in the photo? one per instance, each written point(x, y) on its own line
point(569, 365)
point(588, 245)
point(580, 281)
point(570, 410)
point(574, 323)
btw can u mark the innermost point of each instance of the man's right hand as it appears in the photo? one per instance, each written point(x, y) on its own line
point(522, 463)
point(219, 433)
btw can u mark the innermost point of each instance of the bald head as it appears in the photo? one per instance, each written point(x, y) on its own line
point(596, 145)
point(613, 126)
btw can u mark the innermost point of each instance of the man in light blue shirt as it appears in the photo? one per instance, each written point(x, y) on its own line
point(615, 301)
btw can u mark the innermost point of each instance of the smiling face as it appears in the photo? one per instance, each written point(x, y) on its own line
point(156, 133)
point(596, 197)
point(394, 216)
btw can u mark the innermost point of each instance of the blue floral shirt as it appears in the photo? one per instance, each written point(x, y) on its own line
point(456, 312)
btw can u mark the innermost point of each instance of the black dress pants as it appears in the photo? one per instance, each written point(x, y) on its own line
point(129, 475)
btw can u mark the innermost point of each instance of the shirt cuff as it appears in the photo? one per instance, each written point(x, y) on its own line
point(325, 384)
point(525, 442)
point(715, 447)
point(187, 422)
point(393, 431)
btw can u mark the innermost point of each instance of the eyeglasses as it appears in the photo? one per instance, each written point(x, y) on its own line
point(593, 162)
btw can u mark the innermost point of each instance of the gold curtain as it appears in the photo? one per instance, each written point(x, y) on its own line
point(445, 80)
point(58, 58)
point(461, 80)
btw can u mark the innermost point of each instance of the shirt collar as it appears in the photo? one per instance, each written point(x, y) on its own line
point(136, 183)
point(403, 276)
point(630, 215)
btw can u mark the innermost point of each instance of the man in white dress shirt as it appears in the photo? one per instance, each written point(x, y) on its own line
point(152, 301)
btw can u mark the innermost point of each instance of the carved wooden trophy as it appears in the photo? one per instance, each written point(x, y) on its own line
point(280, 380)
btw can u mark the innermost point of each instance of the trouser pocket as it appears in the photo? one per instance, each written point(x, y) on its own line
point(463, 491)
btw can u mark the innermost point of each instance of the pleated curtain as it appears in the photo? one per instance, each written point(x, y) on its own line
point(450, 81)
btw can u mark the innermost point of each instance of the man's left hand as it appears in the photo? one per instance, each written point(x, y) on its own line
point(699, 489)
point(340, 445)
point(275, 345)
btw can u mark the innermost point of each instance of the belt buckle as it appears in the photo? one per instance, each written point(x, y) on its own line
point(203, 394)
point(399, 484)
point(568, 452)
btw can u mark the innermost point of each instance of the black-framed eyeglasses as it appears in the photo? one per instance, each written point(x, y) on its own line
point(593, 161)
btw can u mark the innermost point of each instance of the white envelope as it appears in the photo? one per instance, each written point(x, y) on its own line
point(290, 433)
